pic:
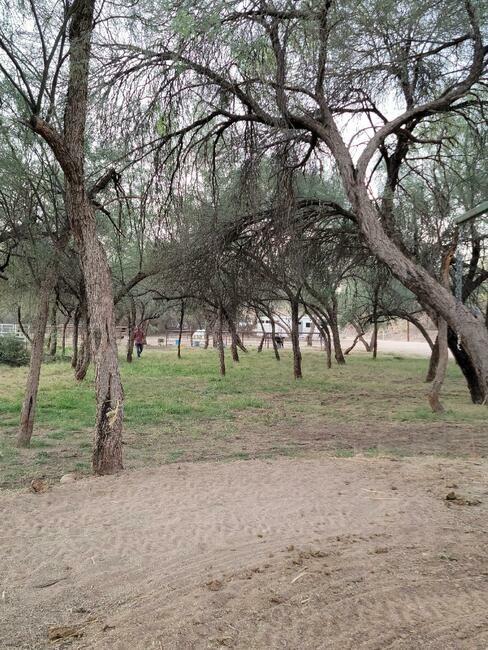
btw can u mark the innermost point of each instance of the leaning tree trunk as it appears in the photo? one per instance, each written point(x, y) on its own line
point(295, 340)
point(467, 368)
point(37, 351)
point(220, 342)
point(428, 291)
point(360, 334)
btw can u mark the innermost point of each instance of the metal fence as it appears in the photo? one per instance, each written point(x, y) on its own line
point(11, 329)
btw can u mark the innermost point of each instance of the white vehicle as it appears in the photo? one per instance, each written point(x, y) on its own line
point(198, 338)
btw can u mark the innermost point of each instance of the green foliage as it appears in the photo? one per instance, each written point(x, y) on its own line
point(13, 351)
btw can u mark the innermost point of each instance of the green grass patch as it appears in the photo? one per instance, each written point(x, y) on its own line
point(183, 410)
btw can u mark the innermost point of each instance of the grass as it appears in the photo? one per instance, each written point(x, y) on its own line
point(181, 410)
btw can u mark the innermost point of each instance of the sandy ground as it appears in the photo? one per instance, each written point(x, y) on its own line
point(388, 346)
point(293, 553)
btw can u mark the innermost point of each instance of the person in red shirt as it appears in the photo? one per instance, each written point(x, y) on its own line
point(139, 340)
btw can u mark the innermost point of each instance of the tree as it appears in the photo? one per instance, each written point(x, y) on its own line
point(74, 26)
point(291, 67)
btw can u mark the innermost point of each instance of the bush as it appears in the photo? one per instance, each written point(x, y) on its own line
point(13, 351)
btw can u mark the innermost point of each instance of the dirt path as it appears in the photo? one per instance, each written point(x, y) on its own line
point(291, 553)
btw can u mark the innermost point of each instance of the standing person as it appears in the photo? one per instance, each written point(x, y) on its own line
point(139, 340)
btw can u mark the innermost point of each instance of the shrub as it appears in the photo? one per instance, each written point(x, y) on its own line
point(13, 351)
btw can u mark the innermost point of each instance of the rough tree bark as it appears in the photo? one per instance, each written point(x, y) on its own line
point(69, 150)
point(37, 351)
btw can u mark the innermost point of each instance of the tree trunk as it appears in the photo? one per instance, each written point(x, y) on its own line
point(295, 339)
point(360, 333)
point(233, 339)
point(334, 328)
point(63, 339)
point(429, 292)
point(321, 326)
point(21, 326)
point(263, 338)
point(233, 347)
point(352, 346)
point(84, 354)
point(53, 334)
point(37, 351)
point(464, 362)
point(440, 371)
point(422, 330)
point(273, 338)
point(76, 331)
point(328, 347)
point(180, 329)
point(220, 342)
point(107, 450)
point(131, 324)
point(374, 338)
point(375, 324)
point(434, 360)
point(207, 339)
point(69, 149)
point(443, 351)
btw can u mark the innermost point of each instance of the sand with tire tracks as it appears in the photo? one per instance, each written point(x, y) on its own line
point(305, 553)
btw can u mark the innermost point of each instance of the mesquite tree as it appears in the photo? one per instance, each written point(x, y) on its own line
point(296, 67)
point(62, 46)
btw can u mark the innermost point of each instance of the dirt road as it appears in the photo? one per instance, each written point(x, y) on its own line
point(291, 553)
